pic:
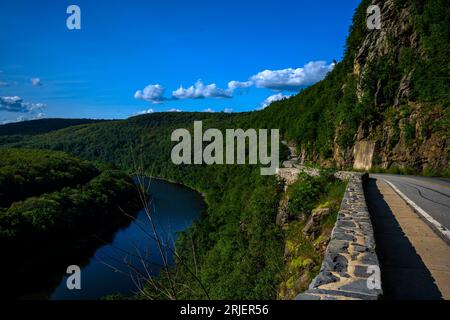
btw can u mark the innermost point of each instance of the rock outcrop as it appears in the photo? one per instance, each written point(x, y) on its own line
point(406, 140)
point(313, 224)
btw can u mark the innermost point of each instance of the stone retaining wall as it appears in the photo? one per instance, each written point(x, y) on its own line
point(350, 269)
point(290, 174)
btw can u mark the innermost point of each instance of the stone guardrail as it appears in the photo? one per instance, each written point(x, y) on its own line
point(350, 269)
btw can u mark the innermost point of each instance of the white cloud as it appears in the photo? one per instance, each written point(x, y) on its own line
point(273, 98)
point(13, 104)
point(40, 115)
point(228, 110)
point(208, 110)
point(174, 110)
point(200, 91)
point(289, 79)
point(37, 82)
point(292, 79)
point(35, 106)
point(148, 111)
point(16, 104)
point(233, 85)
point(153, 93)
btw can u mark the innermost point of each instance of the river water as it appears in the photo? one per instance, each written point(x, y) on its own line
point(173, 208)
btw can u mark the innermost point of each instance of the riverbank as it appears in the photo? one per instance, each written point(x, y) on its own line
point(204, 195)
point(173, 210)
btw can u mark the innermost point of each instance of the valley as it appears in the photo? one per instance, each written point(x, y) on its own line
point(384, 108)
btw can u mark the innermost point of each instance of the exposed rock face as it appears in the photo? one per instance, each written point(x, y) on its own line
point(409, 141)
point(363, 154)
point(283, 214)
point(425, 151)
point(395, 24)
point(313, 224)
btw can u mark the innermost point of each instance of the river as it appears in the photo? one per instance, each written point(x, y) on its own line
point(174, 208)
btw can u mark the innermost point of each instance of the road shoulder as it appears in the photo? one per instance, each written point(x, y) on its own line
point(414, 260)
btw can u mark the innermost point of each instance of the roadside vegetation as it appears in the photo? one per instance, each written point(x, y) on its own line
point(235, 248)
point(52, 205)
point(313, 206)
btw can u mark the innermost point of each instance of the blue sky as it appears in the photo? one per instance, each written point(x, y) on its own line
point(131, 56)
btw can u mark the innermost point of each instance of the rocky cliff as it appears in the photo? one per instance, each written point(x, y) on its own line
point(385, 105)
point(404, 137)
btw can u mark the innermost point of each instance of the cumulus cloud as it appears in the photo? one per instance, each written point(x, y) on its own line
point(36, 82)
point(148, 111)
point(273, 98)
point(13, 104)
point(35, 106)
point(292, 79)
point(153, 93)
point(233, 85)
point(40, 115)
point(208, 110)
point(289, 79)
point(228, 110)
point(174, 110)
point(16, 104)
point(200, 91)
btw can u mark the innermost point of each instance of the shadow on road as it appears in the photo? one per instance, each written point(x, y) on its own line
point(404, 276)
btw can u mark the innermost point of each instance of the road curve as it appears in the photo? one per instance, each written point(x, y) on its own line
point(430, 194)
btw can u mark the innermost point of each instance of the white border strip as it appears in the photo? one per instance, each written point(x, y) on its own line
point(439, 227)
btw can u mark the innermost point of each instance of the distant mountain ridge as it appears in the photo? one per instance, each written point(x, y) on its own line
point(40, 126)
point(385, 105)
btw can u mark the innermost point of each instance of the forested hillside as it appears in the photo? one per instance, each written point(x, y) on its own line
point(25, 173)
point(40, 126)
point(234, 262)
point(51, 204)
point(390, 92)
point(17, 131)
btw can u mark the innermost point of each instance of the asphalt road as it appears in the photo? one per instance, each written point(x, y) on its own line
point(414, 257)
point(430, 194)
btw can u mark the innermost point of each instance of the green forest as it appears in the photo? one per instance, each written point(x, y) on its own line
point(53, 203)
point(236, 245)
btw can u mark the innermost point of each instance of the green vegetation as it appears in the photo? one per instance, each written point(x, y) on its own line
point(236, 248)
point(68, 213)
point(237, 244)
point(330, 111)
point(25, 173)
point(309, 191)
point(53, 203)
point(239, 251)
point(49, 195)
point(40, 126)
point(303, 250)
